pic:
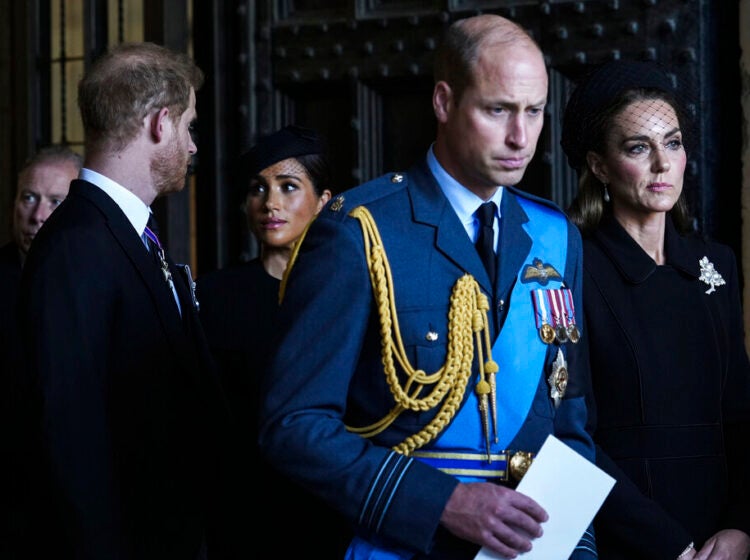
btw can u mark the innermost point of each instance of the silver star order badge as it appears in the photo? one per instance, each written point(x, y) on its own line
point(558, 378)
point(709, 275)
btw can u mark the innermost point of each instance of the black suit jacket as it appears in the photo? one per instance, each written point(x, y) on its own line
point(10, 277)
point(123, 406)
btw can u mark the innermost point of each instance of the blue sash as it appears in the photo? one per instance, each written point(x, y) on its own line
point(518, 350)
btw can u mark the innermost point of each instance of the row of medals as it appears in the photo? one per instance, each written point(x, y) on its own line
point(561, 333)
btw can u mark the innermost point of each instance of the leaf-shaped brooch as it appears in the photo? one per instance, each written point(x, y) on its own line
point(709, 275)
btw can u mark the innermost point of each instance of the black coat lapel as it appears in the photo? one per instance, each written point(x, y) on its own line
point(133, 247)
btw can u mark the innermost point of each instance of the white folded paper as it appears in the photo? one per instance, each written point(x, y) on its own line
point(571, 489)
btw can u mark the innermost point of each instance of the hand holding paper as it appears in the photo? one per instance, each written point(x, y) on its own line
point(571, 490)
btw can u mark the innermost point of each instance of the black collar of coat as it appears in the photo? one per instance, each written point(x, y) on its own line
point(633, 262)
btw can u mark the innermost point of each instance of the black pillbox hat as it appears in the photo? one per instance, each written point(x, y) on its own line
point(289, 142)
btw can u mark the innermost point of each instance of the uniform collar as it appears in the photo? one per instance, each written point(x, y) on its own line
point(633, 262)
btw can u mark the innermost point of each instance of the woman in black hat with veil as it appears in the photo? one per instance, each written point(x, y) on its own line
point(670, 373)
point(285, 182)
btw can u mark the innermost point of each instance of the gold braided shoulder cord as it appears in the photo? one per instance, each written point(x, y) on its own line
point(467, 316)
point(292, 260)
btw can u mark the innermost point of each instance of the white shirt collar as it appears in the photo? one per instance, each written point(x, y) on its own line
point(464, 202)
point(132, 206)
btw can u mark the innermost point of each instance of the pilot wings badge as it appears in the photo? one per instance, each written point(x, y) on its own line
point(539, 272)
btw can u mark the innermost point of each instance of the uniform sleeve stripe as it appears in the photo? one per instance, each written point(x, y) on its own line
point(588, 543)
point(392, 491)
point(383, 487)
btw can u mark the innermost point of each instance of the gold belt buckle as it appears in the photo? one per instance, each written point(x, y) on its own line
point(519, 463)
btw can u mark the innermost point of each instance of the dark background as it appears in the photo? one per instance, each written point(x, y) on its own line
point(360, 72)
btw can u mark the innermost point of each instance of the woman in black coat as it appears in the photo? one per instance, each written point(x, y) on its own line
point(671, 378)
point(285, 180)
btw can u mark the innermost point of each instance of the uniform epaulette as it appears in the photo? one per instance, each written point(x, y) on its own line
point(339, 207)
point(377, 188)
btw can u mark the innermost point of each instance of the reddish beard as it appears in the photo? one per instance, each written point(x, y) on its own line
point(169, 167)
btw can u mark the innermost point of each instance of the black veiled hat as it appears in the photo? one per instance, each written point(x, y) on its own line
point(596, 92)
point(289, 142)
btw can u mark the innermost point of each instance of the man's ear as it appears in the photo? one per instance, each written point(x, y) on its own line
point(157, 123)
point(442, 100)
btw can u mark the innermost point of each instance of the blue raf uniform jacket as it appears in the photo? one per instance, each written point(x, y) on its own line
point(327, 371)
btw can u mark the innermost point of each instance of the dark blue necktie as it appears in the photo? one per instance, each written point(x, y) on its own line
point(486, 239)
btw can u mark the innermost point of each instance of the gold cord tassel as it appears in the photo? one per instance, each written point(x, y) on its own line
point(483, 390)
point(490, 368)
point(487, 371)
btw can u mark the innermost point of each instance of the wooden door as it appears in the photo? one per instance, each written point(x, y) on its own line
point(361, 73)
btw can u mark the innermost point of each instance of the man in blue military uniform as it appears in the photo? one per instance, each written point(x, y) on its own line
point(409, 389)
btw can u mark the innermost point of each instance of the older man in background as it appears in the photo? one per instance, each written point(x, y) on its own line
point(43, 184)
